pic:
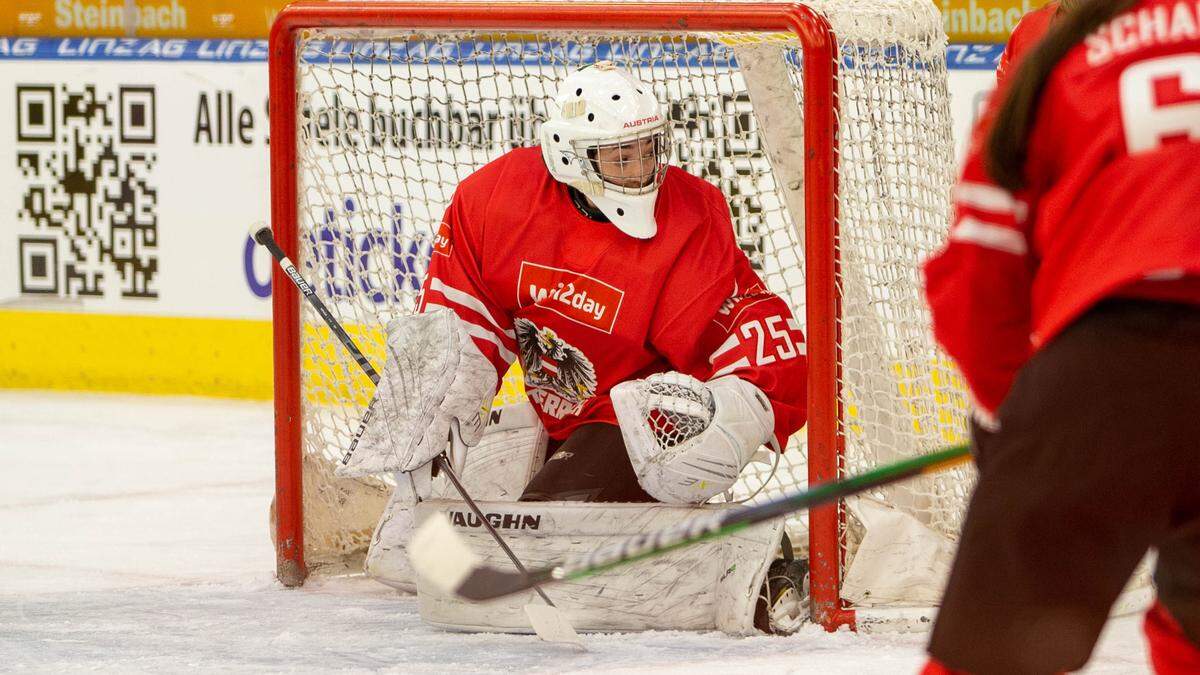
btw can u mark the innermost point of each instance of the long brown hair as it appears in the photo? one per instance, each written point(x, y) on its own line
point(1007, 144)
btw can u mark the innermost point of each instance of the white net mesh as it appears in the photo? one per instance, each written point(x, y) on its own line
point(675, 408)
point(392, 121)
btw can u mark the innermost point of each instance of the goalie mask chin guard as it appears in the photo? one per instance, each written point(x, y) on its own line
point(606, 136)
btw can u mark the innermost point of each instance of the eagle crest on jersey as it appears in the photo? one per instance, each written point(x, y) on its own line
point(550, 363)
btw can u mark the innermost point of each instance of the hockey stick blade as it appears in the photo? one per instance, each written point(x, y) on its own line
point(445, 561)
point(442, 558)
point(551, 625)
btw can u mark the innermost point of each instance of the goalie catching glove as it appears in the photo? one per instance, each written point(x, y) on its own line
point(689, 440)
point(434, 377)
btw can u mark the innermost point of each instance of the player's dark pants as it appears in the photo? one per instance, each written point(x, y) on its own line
point(591, 465)
point(1096, 461)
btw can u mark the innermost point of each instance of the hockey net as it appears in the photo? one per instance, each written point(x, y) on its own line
point(387, 120)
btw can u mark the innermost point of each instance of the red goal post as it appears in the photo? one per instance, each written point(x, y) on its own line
point(822, 301)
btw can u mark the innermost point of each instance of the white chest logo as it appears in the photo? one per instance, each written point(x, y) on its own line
point(572, 295)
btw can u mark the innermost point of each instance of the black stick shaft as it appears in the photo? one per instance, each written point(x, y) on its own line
point(264, 237)
point(491, 530)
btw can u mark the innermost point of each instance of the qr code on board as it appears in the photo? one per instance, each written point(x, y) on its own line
point(88, 216)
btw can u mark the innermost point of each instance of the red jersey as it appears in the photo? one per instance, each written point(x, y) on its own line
point(1027, 33)
point(585, 306)
point(1109, 209)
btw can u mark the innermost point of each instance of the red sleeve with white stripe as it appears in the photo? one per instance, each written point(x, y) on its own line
point(720, 319)
point(760, 341)
point(979, 285)
point(455, 282)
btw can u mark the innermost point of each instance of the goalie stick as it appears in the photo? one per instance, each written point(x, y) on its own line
point(443, 558)
point(548, 623)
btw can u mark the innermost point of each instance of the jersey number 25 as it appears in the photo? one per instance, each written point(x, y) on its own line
point(777, 326)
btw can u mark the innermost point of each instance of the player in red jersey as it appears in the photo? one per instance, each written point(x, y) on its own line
point(1069, 295)
point(595, 263)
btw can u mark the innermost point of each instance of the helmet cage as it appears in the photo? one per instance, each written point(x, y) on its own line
point(599, 172)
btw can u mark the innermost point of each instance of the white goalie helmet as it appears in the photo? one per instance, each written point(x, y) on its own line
point(606, 136)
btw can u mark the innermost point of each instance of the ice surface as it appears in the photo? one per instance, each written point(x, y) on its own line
point(133, 537)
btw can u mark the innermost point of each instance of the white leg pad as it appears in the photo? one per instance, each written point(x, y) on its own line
point(513, 448)
point(387, 557)
point(713, 585)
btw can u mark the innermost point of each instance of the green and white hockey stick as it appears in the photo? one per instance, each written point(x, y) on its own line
point(441, 556)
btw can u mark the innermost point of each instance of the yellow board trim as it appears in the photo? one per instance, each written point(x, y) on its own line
point(228, 358)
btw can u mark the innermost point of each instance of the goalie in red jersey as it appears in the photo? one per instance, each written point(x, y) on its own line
point(1069, 295)
point(654, 356)
point(656, 361)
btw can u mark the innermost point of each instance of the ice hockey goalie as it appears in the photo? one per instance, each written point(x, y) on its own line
point(656, 364)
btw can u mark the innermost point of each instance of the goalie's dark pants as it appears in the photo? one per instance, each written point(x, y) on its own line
point(1096, 461)
point(591, 465)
